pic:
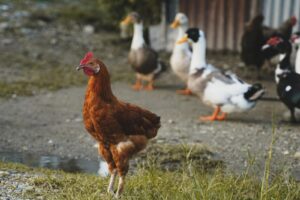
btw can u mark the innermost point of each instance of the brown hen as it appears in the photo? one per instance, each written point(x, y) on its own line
point(121, 129)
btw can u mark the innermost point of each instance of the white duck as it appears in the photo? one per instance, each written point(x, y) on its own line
point(181, 56)
point(225, 92)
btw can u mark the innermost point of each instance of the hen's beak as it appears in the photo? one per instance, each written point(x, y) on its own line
point(182, 40)
point(126, 21)
point(175, 24)
point(79, 67)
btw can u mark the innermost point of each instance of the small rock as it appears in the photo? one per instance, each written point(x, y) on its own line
point(25, 31)
point(95, 145)
point(4, 7)
point(53, 41)
point(241, 65)
point(297, 155)
point(4, 26)
point(13, 96)
point(7, 41)
point(37, 55)
point(88, 29)
point(68, 120)
point(50, 142)
point(4, 173)
point(78, 119)
point(286, 152)
point(170, 121)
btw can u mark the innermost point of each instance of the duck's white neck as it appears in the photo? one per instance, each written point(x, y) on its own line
point(199, 55)
point(138, 39)
point(181, 31)
point(184, 46)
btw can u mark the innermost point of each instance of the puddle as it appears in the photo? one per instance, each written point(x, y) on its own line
point(55, 162)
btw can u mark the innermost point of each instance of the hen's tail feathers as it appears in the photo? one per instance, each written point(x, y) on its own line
point(255, 92)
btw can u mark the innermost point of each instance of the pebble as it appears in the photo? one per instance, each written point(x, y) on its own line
point(88, 29)
point(53, 41)
point(286, 152)
point(170, 121)
point(78, 119)
point(13, 96)
point(297, 155)
point(4, 173)
point(4, 26)
point(7, 41)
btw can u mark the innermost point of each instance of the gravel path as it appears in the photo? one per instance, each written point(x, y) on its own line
point(51, 124)
point(14, 185)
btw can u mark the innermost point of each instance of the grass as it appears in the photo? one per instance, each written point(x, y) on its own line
point(152, 180)
point(154, 183)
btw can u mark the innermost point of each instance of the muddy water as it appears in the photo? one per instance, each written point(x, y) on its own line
point(55, 162)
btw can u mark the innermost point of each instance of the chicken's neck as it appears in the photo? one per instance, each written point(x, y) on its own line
point(198, 57)
point(138, 39)
point(99, 89)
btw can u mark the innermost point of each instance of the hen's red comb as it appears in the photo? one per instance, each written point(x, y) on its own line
point(274, 41)
point(87, 57)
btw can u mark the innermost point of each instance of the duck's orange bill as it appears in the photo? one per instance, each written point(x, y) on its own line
point(175, 24)
point(182, 40)
point(126, 21)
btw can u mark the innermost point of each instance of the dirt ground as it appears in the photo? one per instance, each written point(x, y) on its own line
point(49, 122)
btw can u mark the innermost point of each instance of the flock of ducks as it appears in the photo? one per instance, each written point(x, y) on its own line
point(225, 92)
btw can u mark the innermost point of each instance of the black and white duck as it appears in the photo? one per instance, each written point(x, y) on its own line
point(288, 81)
point(225, 92)
point(143, 59)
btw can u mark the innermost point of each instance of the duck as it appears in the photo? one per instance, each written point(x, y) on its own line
point(181, 55)
point(223, 91)
point(287, 80)
point(143, 59)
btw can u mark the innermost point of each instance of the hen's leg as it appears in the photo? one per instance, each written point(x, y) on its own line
point(213, 117)
point(138, 84)
point(112, 179)
point(120, 186)
point(107, 156)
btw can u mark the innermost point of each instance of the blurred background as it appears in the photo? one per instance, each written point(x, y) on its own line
point(40, 38)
